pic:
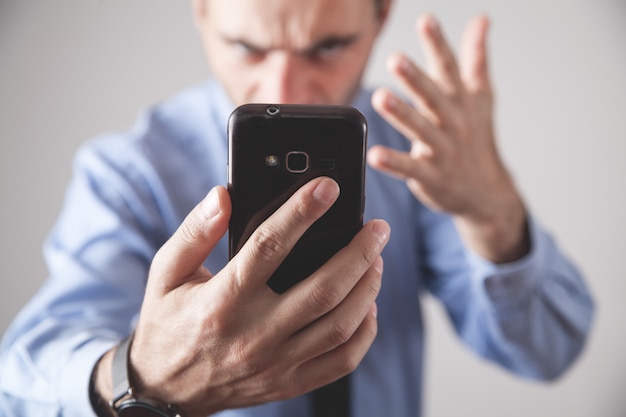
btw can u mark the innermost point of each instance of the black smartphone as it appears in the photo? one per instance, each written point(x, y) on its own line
point(273, 151)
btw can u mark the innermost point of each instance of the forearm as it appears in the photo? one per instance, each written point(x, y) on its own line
point(46, 369)
point(539, 310)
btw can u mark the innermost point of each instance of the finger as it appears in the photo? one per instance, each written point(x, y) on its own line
point(340, 324)
point(341, 361)
point(332, 282)
point(185, 252)
point(273, 240)
point(400, 165)
point(441, 60)
point(408, 121)
point(474, 65)
point(421, 89)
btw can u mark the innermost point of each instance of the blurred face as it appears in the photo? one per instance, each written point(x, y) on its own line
point(288, 51)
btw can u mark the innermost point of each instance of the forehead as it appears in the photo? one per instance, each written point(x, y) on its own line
point(289, 23)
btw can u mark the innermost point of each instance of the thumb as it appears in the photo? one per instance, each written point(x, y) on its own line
point(182, 256)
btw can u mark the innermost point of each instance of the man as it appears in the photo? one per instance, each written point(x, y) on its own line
point(208, 335)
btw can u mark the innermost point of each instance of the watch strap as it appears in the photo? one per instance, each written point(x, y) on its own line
point(124, 403)
point(119, 379)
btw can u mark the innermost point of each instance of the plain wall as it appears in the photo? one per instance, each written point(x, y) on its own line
point(70, 69)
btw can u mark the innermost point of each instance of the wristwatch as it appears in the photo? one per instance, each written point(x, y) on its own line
point(124, 402)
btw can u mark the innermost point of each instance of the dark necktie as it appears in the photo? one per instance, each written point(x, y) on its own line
point(333, 400)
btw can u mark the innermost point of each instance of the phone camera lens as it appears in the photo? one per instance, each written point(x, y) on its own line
point(297, 162)
point(271, 161)
point(273, 110)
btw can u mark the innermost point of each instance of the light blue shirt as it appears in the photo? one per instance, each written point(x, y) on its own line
point(129, 193)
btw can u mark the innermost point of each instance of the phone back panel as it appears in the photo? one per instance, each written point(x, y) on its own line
point(273, 151)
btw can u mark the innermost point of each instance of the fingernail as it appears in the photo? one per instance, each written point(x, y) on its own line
point(326, 191)
point(433, 26)
point(378, 156)
point(213, 204)
point(405, 65)
point(390, 101)
point(374, 310)
point(381, 230)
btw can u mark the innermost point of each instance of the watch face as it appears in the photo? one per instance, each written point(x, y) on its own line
point(140, 408)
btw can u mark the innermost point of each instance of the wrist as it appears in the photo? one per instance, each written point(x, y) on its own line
point(502, 236)
point(111, 394)
point(124, 401)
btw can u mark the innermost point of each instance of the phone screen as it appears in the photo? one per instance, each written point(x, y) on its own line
point(273, 151)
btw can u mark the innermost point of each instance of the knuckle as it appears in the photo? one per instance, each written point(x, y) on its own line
point(374, 285)
point(267, 246)
point(302, 212)
point(340, 333)
point(455, 96)
point(323, 298)
point(448, 64)
point(350, 363)
point(189, 232)
point(368, 255)
point(405, 110)
point(192, 227)
point(429, 101)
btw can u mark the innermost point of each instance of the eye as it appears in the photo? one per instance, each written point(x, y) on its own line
point(248, 51)
point(331, 49)
point(328, 50)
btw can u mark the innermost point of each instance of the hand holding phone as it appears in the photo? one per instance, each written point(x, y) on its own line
point(320, 330)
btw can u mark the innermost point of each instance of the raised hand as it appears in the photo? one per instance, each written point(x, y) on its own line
point(453, 165)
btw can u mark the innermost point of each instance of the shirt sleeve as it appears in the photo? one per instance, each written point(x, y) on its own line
point(98, 256)
point(531, 316)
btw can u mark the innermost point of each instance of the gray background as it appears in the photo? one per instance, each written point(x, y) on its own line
point(70, 69)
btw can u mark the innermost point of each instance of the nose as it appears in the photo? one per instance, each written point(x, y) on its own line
point(288, 79)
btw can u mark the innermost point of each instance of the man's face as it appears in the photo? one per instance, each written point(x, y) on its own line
point(288, 51)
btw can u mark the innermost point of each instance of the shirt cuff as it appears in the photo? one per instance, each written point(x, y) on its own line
point(508, 285)
point(74, 381)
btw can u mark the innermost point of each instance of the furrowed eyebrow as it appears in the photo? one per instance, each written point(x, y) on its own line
point(247, 44)
point(338, 41)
